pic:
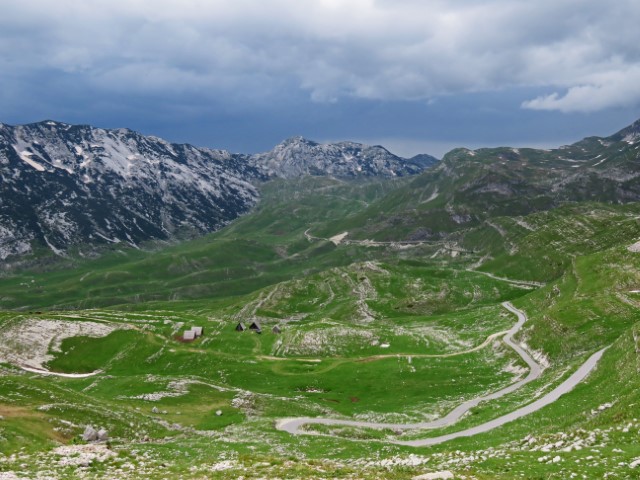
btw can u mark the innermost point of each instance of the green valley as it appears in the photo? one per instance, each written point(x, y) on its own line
point(381, 301)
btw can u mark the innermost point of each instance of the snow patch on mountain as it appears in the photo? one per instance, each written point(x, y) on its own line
point(26, 155)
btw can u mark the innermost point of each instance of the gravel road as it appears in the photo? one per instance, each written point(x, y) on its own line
point(293, 425)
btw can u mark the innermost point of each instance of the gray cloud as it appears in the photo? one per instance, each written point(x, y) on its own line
point(615, 88)
point(585, 53)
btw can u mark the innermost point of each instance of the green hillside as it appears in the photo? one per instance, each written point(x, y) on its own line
point(262, 248)
point(388, 298)
point(329, 361)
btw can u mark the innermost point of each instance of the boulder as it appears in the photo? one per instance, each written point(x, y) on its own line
point(443, 475)
point(90, 434)
point(103, 435)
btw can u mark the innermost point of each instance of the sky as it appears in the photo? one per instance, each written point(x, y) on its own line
point(417, 76)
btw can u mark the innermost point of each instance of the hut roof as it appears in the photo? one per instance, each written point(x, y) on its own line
point(276, 329)
point(189, 335)
point(240, 327)
point(197, 331)
point(254, 326)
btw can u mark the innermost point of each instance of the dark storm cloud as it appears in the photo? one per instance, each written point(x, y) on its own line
point(196, 57)
point(381, 50)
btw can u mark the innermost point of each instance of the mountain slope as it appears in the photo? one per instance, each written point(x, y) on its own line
point(64, 185)
point(263, 247)
point(470, 186)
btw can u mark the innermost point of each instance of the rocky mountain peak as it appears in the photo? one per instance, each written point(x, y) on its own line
point(297, 140)
point(630, 134)
point(298, 156)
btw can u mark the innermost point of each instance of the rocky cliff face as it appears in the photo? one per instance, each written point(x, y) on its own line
point(63, 185)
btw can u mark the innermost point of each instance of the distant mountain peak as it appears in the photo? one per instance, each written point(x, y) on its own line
point(630, 134)
point(74, 186)
point(296, 140)
point(298, 156)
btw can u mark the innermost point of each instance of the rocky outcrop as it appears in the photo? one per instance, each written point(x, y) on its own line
point(90, 434)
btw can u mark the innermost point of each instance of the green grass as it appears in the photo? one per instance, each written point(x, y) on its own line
point(358, 326)
point(545, 246)
point(589, 307)
point(86, 354)
point(262, 248)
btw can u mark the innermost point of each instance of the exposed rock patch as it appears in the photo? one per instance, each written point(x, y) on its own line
point(29, 342)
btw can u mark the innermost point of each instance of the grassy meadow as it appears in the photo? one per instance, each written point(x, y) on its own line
point(383, 332)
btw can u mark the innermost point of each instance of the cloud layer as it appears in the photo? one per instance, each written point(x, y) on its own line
point(586, 53)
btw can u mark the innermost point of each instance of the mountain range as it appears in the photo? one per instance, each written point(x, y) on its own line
point(65, 187)
point(75, 188)
point(375, 290)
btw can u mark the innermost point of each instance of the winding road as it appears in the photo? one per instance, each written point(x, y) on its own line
point(42, 371)
point(294, 425)
point(522, 283)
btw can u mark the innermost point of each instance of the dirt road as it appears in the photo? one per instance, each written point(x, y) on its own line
point(293, 425)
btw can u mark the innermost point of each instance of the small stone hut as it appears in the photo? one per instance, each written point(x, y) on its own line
point(189, 335)
point(255, 326)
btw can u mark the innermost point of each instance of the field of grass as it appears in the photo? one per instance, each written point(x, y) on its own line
point(375, 333)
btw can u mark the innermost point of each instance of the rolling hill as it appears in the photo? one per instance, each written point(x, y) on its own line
point(392, 296)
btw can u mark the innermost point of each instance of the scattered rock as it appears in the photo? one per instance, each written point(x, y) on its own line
point(155, 410)
point(443, 475)
point(82, 455)
point(635, 248)
point(218, 412)
point(90, 434)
